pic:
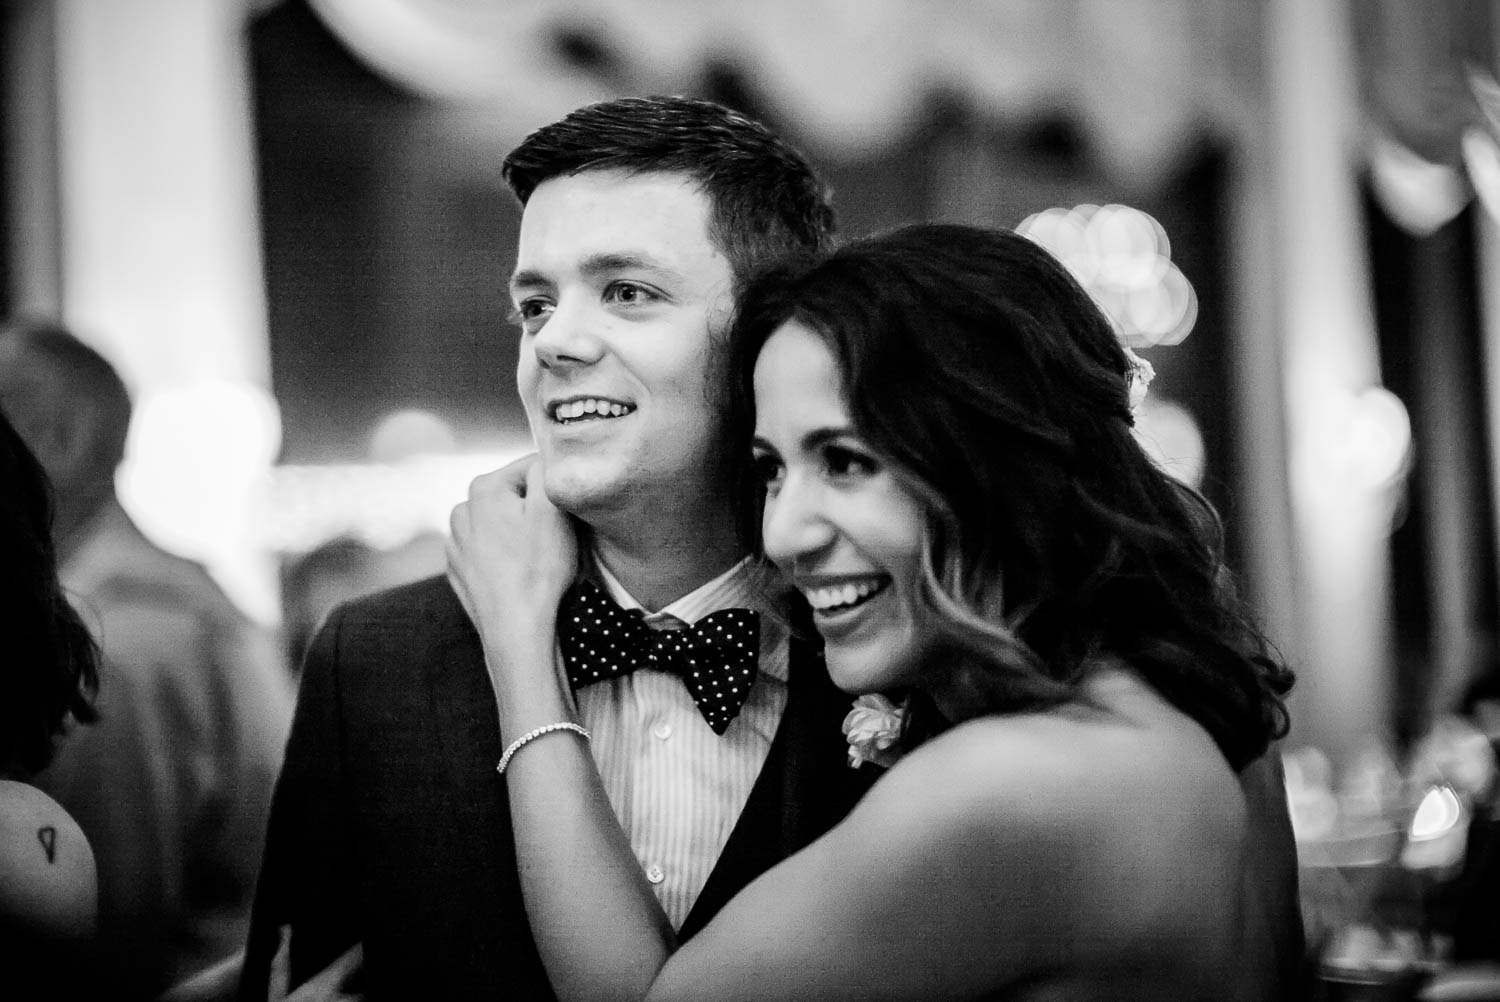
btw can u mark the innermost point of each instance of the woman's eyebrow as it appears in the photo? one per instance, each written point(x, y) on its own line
point(819, 437)
point(814, 439)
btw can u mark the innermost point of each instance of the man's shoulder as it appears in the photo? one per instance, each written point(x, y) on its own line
point(428, 603)
point(420, 621)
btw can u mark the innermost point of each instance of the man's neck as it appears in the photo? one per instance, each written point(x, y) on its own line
point(657, 568)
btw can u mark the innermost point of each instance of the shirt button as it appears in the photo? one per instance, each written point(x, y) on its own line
point(662, 730)
point(655, 874)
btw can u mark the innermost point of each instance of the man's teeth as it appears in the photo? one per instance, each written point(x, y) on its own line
point(839, 596)
point(574, 409)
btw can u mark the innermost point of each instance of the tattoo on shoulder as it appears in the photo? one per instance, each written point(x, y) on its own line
point(48, 837)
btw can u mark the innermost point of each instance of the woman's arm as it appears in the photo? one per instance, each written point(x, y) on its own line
point(989, 855)
point(1011, 850)
point(48, 887)
point(930, 888)
point(598, 927)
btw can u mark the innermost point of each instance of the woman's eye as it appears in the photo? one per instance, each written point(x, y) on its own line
point(841, 462)
point(768, 470)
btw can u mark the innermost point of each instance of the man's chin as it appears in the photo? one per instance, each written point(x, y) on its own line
point(582, 492)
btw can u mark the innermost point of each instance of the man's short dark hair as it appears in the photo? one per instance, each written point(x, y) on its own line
point(766, 203)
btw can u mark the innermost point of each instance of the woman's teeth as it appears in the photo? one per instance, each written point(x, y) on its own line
point(843, 596)
point(572, 410)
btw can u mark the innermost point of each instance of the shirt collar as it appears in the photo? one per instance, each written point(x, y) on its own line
point(725, 591)
point(735, 588)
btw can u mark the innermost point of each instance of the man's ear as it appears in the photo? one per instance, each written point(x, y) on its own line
point(58, 432)
point(72, 433)
point(30, 404)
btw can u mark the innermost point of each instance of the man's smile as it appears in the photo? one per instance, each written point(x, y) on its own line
point(574, 409)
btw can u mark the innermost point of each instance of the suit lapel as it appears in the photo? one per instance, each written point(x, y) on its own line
point(464, 727)
point(465, 732)
point(803, 789)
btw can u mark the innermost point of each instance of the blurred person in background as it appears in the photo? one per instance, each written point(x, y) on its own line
point(1089, 805)
point(642, 218)
point(48, 890)
point(172, 785)
point(339, 570)
point(318, 581)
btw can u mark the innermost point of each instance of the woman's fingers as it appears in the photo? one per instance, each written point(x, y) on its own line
point(510, 548)
point(512, 478)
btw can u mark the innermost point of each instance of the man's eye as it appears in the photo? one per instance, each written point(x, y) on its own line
point(628, 293)
point(531, 314)
point(841, 462)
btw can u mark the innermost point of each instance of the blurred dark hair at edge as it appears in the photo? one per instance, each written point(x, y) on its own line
point(53, 671)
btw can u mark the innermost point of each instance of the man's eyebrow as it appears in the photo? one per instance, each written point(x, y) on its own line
point(596, 265)
point(528, 279)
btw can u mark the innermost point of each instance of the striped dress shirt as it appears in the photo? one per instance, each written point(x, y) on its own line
point(676, 786)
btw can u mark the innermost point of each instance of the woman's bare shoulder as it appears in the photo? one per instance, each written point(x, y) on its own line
point(1124, 797)
point(48, 885)
point(1124, 744)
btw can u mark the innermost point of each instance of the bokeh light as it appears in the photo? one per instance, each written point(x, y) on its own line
point(195, 457)
point(1170, 435)
point(1358, 440)
point(1123, 258)
point(1436, 815)
point(411, 432)
point(382, 504)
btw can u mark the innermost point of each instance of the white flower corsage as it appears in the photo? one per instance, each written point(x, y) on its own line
point(873, 728)
point(1141, 374)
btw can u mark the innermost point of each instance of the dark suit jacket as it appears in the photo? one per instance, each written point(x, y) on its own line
point(390, 825)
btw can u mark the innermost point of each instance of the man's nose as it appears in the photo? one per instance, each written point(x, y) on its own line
point(794, 527)
point(567, 338)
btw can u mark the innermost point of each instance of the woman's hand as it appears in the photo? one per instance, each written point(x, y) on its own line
point(340, 981)
point(511, 556)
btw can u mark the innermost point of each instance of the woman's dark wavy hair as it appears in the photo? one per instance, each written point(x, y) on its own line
point(51, 671)
point(985, 375)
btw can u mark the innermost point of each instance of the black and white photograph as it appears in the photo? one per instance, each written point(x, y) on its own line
point(871, 500)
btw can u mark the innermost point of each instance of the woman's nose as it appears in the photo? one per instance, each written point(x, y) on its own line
point(794, 526)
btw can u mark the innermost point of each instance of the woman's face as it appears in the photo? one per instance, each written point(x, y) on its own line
point(837, 522)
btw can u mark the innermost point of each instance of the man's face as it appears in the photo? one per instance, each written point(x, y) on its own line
point(619, 292)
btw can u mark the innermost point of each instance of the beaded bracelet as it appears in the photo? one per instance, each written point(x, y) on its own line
point(515, 745)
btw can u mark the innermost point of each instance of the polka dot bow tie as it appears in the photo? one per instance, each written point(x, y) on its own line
point(716, 657)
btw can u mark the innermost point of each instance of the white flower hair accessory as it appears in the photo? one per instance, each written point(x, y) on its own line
point(873, 728)
point(1141, 374)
